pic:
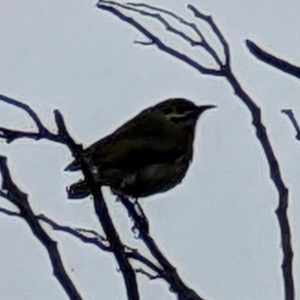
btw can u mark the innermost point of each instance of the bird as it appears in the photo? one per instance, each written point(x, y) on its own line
point(149, 154)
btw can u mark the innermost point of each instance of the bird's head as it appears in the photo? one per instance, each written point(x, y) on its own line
point(181, 111)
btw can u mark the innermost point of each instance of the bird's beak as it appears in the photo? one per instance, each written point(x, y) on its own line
point(202, 108)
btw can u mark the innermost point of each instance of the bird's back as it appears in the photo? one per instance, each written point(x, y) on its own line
point(135, 144)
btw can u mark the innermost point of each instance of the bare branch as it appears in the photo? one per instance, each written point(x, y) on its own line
point(254, 110)
point(215, 29)
point(11, 135)
point(108, 6)
point(27, 109)
point(77, 232)
point(97, 240)
point(100, 207)
point(147, 274)
point(12, 193)
point(202, 42)
point(144, 43)
point(272, 60)
point(7, 211)
point(134, 254)
point(276, 177)
point(168, 272)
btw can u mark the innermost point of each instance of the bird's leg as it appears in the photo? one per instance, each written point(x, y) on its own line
point(136, 212)
point(143, 223)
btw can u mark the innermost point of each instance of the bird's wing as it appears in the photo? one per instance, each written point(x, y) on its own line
point(142, 141)
point(99, 152)
point(124, 154)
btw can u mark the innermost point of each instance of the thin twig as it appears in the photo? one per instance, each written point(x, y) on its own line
point(97, 240)
point(42, 132)
point(209, 20)
point(106, 5)
point(76, 232)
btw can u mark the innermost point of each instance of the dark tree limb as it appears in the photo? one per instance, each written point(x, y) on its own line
point(123, 12)
point(201, 42)
point(93, 238)
point(147, 274)
point(9, 212)
point(14, 195)
point(41, 133)
point(100, 207)
point(215, 29)
point(272, 60)
point(169, 272)
point(276, 177)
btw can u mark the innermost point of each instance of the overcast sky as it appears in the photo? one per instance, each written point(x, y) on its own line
point(218, 227)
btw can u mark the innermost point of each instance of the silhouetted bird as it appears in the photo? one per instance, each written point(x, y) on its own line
point(149, 154)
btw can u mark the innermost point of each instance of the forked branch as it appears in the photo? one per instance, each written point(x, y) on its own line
point(131, 13)
point(62, 136)
point(14, 195)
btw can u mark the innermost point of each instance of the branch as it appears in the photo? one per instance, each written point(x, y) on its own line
point(108, 6)
point(202, 42)
point(96, 239)
point(272, 60)
point(7, 211)
point(147, 274)
point(13, 194)
point(100, 207)
point(168, 272)
point(215, 29)
point(276, 177)
point(42, 132)
point(254, 110)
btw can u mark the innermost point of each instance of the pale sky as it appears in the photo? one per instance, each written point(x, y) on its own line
point(218, 227)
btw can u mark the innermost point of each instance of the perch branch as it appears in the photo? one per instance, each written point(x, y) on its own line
point(100, 207)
